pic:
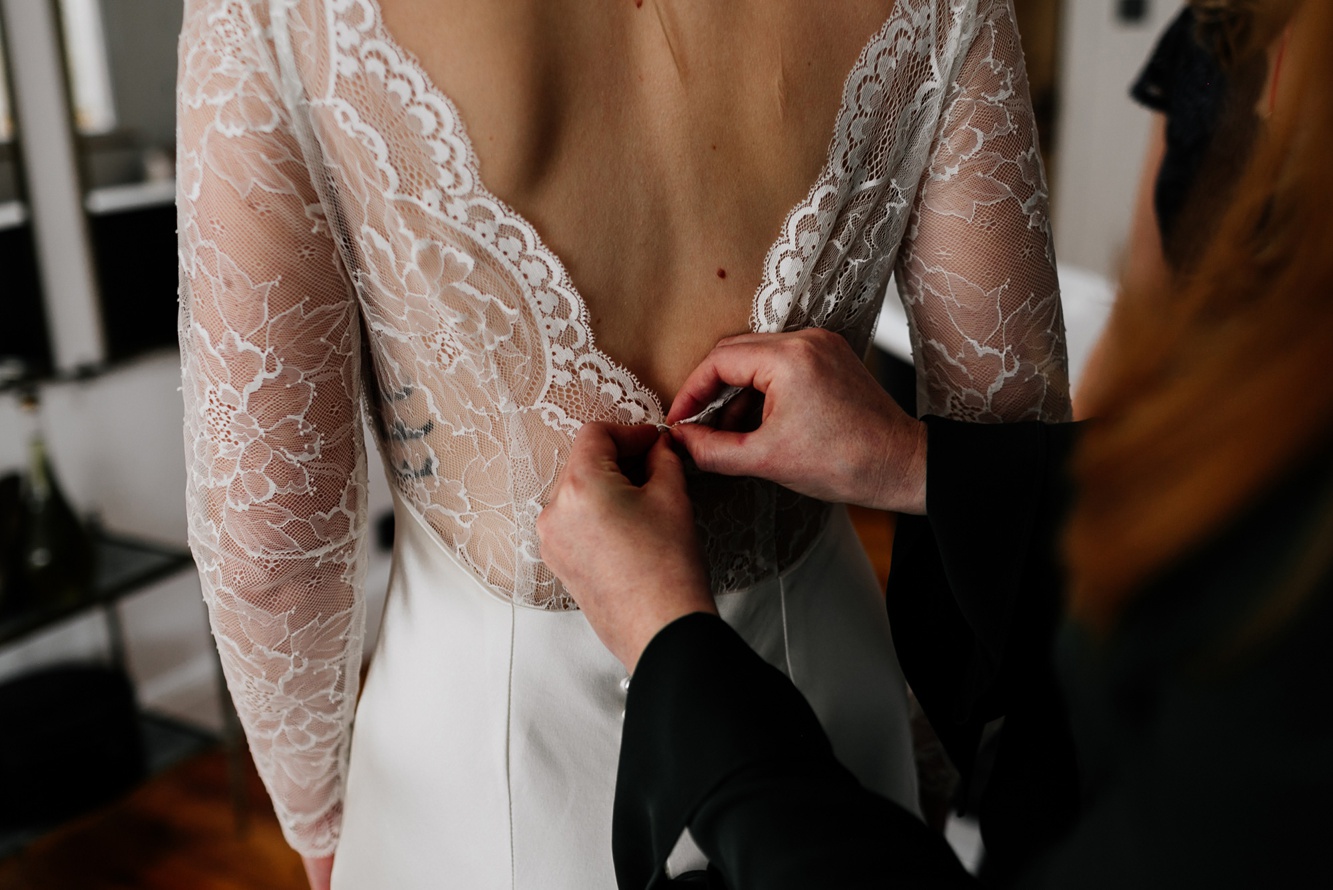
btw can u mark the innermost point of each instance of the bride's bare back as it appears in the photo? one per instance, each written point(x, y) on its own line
point(656, 147)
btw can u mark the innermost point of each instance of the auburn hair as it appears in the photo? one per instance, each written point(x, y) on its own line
point(1215, 388)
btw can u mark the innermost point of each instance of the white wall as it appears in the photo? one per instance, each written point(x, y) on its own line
point(1102, 134)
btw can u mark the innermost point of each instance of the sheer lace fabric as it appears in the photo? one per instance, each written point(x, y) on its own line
point(338, 248)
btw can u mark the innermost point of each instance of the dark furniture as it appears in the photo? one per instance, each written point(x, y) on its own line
point(126, 565)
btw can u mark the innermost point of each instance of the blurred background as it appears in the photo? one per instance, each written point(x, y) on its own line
point(155, 789)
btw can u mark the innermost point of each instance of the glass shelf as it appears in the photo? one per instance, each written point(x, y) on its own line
point(123, 566)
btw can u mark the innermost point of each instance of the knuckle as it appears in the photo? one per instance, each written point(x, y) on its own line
point(824, 341)
point(805, 350)
point(762, 461)
point(545, 527)
point(587, 433)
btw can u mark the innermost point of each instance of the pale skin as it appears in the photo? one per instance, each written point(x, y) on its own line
point(318, 871)
point(629, 554)
point(655, 152)
point(654, 534)
point(827, 430)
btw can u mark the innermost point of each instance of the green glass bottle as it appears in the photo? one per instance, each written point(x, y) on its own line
point(57, 550)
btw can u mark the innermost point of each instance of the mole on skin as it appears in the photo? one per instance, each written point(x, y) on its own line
point(721, 273)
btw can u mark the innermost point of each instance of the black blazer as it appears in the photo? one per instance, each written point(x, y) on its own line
point(1175, 753)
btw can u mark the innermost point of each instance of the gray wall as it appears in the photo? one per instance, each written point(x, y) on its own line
point(141, 38)
point(1102, 134)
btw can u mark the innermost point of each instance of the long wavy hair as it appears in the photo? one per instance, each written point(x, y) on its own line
point(1216, 388)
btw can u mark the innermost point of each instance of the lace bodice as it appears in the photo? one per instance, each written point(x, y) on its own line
point(338, 249)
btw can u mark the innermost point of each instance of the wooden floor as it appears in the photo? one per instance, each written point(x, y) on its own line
point(178, 831)
point(876, 532)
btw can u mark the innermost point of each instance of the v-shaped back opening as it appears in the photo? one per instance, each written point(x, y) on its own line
point(783, 230)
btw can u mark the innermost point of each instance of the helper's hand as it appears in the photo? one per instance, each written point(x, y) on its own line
point(828, 429)
point(627, 553)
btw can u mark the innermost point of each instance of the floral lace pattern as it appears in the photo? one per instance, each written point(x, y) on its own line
point(337, 246)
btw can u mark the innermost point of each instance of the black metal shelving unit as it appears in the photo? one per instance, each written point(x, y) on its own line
point(124, 566)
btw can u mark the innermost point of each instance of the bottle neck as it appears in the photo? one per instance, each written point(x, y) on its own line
point(39, 475)
point(39, 468)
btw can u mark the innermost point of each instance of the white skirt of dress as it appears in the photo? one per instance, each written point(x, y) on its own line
point(486, 739)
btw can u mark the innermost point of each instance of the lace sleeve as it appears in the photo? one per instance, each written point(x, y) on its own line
point(977, 268)
point(276, 467)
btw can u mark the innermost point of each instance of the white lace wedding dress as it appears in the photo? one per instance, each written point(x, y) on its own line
point(340, 255)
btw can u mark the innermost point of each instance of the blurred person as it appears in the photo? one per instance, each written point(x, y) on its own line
point(1144, 600)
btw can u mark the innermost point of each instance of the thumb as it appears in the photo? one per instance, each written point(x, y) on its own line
point(663, 465)
point(721, 451)
point(631, 441)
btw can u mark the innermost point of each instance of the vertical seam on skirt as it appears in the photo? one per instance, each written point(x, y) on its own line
point(509, 749)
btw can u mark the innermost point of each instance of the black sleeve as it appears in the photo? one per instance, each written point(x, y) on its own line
point(1206, 731)
point(974, 598)
point(1231, 786)
point(1226, 786)
point(1184, 81)
point(1157, 84)
point(716, 738)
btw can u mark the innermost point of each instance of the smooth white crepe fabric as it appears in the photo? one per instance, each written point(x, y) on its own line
point(488, 732)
